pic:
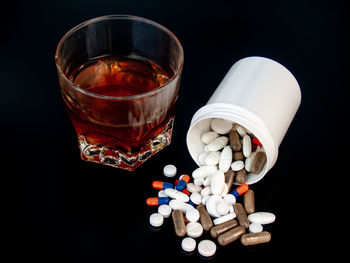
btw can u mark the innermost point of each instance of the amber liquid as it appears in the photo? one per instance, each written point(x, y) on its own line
point(117, 123)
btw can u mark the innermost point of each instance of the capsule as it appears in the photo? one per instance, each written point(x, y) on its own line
point(241, 215)
point(256, 141)
point(235, 141)
point(153, 201)
point(229, 178)
point(205, 218)
point(258, 162)
point(219, 229)
point(249, 201)
point(179, 223)
point(255, 238)
point(240, 190)
point(231, 235)
point(241, 176)
point(161, 185)
point(182, 182)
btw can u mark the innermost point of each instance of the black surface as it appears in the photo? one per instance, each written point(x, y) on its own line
point(61, 208)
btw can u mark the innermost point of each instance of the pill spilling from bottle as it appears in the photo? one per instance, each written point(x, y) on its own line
point(207, 200)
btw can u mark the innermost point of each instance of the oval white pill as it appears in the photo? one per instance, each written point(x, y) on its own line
point(188, 244)
point(237, 165)
point(176, 204)
point(204, 199)
point(204, 171)
point(212, 158)
point(247, 146)
point(241, 131)
point(201, 158)
point(173, 193)
point(164, 210)
point(169, 170)
point(224, 190)
point(208, 137)
point(217, 182)
point(191, 187)
point(194, 229)
point(262, 218)
point(198, 181)
point(206, 191)
point(220, 126)
point(255, 228)
point(206, 248)
point(218, 144)
point(230, 199)
point(225, 159)
point(222, 208)
point(211, 205)
point(196, 198)
point(223, 219)
point(207, 180)
point(156, 219)
point(192, 215)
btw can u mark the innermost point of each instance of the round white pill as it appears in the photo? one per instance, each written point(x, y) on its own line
point(192, 215)
point(196, 198)
point(161, 193)
point(169, 170)
point(156, 219)
point(222, 208)
point(194, 229)
point(206, 248)
point(204, 199)
point(188, 244)
point(230, 199)
point(164, 210)
point(255, 228)
point(237, 165)
point(211, 205)
point(220, 126)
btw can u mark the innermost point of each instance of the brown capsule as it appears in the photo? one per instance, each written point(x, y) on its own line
point(231, 235)
point(238, 156)
point(179, 223)
point(258, 162)
point(241, 176)
point(249, 202)
point(219, 229)
point(229, 178)
point(235, 141)
point(205, 218)
point(241, 215)
point(255, 238)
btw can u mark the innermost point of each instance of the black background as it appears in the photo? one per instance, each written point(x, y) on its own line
point(61, 208)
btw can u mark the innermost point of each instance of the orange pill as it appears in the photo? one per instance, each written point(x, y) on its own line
point(240, 190)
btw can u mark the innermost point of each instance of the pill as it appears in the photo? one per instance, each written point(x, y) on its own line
point(235, 141)
point(204, 218)
point(173, 193)
point(169, 170)
point(248, 162)
point(238, 156)
point(262, 218)
point(152, 201)
point(196, 198)
point(222, 219)
point(241, 215)
point(204, 171)
point(230, 199)
point(207, 180)
point(204, 199)
point(241, 131)
point(256, 141)
point(224, 190)
point(206, 248)
point(198, 181)
point(241, 176)
point(222, 208)
point(231, 235)
point(255, 238)
point(156, 219)
point(229, 179)
point(223, 227)
point(255, 228)
point(194, 229)
point(211, 205)
point(249, 202)
point(161, 193)
point(205, 149)
point(225, 159)
point(240, 190)
point(208, 137)
point(192, 215)
point(179, 223)
point(206, 191)
point(161, 185)
point(212, 158)
point(220, 126)
point(164, 210)
point(247, 146)
point(201, 158)
point(218, 144)
point(185, 191)
point(188, 244)
point(217, 182)
point(191, 187)
point(237, 165)
point(179, 205)
point(182, 182)
point(258, 162)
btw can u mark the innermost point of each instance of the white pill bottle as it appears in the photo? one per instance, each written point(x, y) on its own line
point(258, 93)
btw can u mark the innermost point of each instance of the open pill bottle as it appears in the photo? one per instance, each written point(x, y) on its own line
point(257, 93)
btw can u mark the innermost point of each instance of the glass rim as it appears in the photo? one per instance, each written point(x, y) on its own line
point(121, 17)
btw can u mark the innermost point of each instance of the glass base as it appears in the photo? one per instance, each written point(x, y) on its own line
point(125, 160)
